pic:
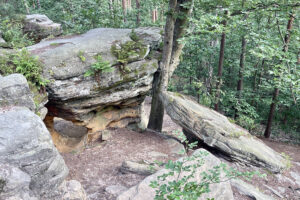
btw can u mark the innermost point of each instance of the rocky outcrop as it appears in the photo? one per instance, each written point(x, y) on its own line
point(2, 41)
point(27, 145)
point(14, 91)
point(220, 191)
point(39, 26)
point(249, 190)
point(31, 168)
point(216, 131)
point(111, 99)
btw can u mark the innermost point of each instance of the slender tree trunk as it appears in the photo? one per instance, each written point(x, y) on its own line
point(276, 90)
point(161, 82)
point(174, 29)
point(124, 6)
point(241, 73)
point(138, 13)
point(38, 4)
point(220, 67)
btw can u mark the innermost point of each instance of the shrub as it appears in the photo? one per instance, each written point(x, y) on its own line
point(183, 187)
point(13, 35)
point(99, 67)
point(22, 62)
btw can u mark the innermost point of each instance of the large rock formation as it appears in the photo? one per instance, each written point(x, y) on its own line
point(26, 144)
point(39, 26)
point(220, 191)
point(216, 131)
point(31, 168)
point(111, 99)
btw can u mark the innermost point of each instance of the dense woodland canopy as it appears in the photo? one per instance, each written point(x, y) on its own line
point(241, 57)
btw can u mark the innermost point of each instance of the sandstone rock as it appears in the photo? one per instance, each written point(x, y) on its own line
point(220, 191)
point(138, 168)
point(26, 144)
point(14, 91)
point(249, 190)
point(115, 98)
point(274, 191)
point(68, 129)
point(40, 26)
point(14, 183)
point(115, 189)
point(73, 191)
point(106, 135)
point(2, 41)
point(216, 131)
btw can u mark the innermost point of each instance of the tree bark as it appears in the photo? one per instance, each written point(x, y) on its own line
point(276, 90)
point(174, 29)
point(124, 6)
point(161, 82)
point(220, 66)
point(38, 4)
point(241, 73)
point(138, 14)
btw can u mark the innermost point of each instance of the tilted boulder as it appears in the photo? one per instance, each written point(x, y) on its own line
point(220, 191)
point(111, 99)
point(39, 26)
point(216, 131)
point(25, 143)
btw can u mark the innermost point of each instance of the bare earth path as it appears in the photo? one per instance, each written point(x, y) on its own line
point(97, 166)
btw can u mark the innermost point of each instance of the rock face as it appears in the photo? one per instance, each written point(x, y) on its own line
point(14, 91)
point(26, 144)
point(220, 191)
point(111, 99)
point(40, 26)
point(216, 131)
point(249, 190)
point(2, 41)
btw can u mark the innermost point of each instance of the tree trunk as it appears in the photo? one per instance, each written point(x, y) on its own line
point(276, 90)
point(174, 29)
point(138, 13)
point(161, 82)
point(124, 6)
point(220, 66)
point(241, 73)
point(38, 4)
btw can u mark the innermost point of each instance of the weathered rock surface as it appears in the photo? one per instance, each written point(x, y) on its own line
point(14, 183)
point(138, 168)
point(2, 41)
point(39, 26)
point(216, 131)
point(25, 143)
point(249, 190)
point(220, 191)
point(113, 99)
point(115, 190)
point(14, 91)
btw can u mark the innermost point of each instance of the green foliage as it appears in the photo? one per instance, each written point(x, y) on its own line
point(99, 67)
point(13, 35)
point(22, 62)
point(173, 185)
point(81, 56)
point(128, 51)
point(287, 160)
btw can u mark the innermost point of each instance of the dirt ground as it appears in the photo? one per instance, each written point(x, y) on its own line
point(98, 166)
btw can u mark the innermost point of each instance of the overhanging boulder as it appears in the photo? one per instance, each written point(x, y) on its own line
point(216, 131)
point(112, 99)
